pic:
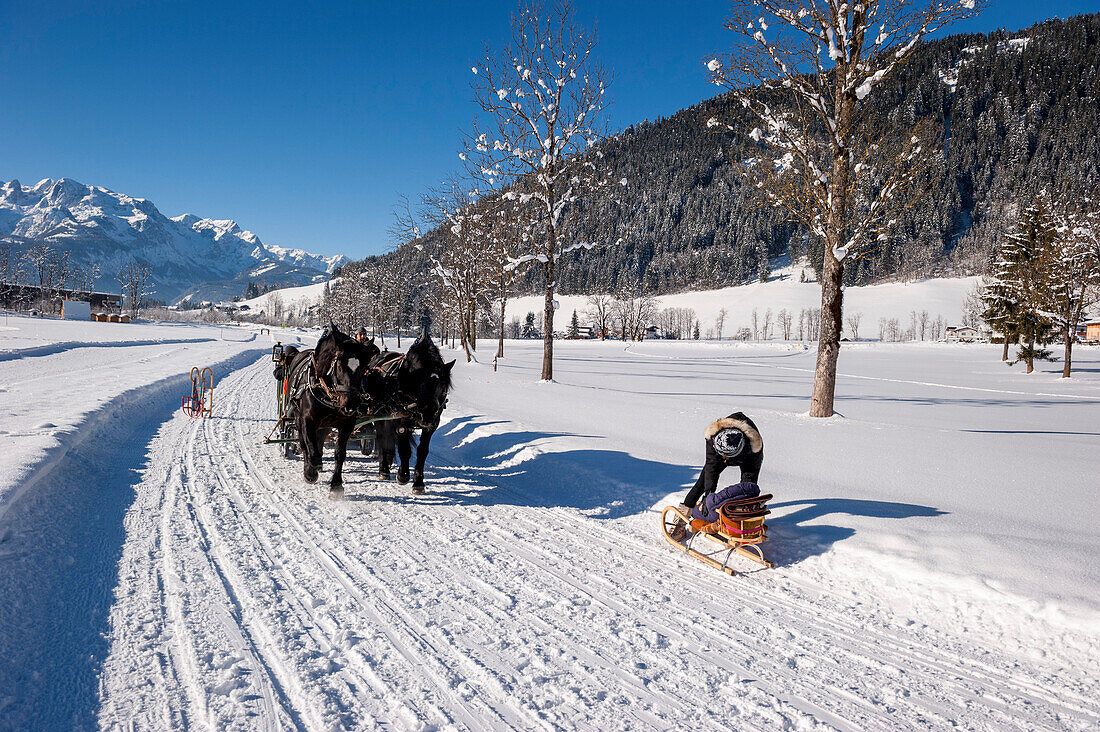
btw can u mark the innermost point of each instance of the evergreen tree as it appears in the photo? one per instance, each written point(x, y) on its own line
point(1019, 276)
point(529, 330)
point(695, 332)
point(574, 326)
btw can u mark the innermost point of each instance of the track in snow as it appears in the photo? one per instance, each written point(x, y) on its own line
point(248, 599)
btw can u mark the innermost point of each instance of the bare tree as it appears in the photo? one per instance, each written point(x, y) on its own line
point(720, 322)
point(542, 95)
point(599, 313)
point(133, 277)
point(785, 322)
point(634, 308)
point(801, 70)
point(766, 325)
point(853, 324)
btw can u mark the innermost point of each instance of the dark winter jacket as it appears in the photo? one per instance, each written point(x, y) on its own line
point(749, 460)
point(707, 509)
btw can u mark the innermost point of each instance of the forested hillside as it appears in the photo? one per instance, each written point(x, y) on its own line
point(1014, 112)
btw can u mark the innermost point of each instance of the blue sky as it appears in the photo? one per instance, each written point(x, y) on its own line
point(305, 121)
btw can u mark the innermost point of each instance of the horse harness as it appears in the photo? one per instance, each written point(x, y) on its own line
point(387, 366)
point(315, 384)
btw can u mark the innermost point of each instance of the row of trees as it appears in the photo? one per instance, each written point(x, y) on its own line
point(1046, 276)
point(51, 271)
point(799, 74)
point(55, 276)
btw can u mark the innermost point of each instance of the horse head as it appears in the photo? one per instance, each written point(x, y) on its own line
point(427, 379)
point(340, 364)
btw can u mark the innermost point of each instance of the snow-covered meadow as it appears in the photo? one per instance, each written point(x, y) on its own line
point(935, 545)
point(942, 297)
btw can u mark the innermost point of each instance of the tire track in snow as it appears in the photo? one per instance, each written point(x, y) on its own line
point(416, 647)
point(981, 677)
point(239, 622)
point(181, 649)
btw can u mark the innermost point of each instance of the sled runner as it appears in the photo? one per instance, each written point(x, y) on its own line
point(740, 529)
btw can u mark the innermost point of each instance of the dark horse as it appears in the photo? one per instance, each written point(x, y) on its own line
point(417, 384)
point(325, 388)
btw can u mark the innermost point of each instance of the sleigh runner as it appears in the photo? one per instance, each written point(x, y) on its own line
point(740, 529)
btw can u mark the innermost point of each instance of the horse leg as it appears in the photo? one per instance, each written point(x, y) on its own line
point(421, 457)
point(385, 440)
point(311, 447)
point(404, 450)
point(336, 485)
point(317, 449)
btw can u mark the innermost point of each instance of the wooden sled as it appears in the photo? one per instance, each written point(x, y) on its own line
point(740, 529)
point(201, 401)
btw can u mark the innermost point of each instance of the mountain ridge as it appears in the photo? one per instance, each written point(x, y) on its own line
point(191, 257)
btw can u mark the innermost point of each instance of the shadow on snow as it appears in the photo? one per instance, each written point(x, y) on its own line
point(500, 469)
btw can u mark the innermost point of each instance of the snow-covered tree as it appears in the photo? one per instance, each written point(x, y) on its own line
point(1017, 293)
point(529, 328)
point(801, 70)
point(574, 326)
point(542, 97)
point(1072, 273)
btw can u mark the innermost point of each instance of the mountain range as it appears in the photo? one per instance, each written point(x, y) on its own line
point(191, 258)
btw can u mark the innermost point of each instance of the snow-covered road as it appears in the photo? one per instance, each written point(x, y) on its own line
point(182, 575)
point(248, 599)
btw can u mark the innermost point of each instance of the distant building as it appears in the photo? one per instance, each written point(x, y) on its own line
point(1092, 332)
point(20, 296)
point(967, 335)
point(76, 310)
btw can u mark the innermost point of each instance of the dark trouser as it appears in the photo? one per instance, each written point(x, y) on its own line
point(708, 479)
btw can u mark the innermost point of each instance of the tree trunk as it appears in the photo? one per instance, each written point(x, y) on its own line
point(1004, 353)
point(828, 346)
point(548, 315)
point(471, 320)
point(1069, 351)
point(1031, 351)
point(500, 341)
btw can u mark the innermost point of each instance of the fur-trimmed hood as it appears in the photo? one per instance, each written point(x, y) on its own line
point(738, 422)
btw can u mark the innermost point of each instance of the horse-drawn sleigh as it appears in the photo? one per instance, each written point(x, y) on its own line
point(358, 392)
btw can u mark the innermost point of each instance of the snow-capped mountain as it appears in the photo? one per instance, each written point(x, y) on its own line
point(190, 256)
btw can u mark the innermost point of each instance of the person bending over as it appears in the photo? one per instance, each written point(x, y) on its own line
point(732, 440)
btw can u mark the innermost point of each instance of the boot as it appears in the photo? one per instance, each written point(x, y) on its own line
point(679, 530)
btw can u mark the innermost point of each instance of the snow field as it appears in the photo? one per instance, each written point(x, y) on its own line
point(943, 296)
point(179, 573)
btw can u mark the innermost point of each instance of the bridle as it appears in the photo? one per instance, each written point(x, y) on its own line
point(331, 392)
point(389, 368)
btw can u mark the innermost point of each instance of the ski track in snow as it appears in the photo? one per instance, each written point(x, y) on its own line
point(247, 599)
